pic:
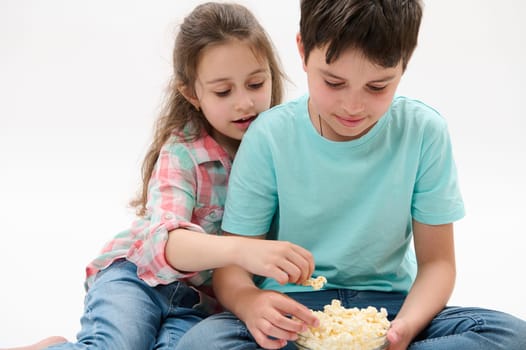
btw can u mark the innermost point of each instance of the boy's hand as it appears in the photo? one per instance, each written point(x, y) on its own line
point(283, 261)
point(273, 318)
point(398, 335)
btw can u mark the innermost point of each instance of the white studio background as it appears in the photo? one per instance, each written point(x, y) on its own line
point(81, 83)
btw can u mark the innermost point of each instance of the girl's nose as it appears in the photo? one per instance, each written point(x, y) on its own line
point(244, 101)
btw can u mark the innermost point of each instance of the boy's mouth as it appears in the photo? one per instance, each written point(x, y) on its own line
point(350, 122)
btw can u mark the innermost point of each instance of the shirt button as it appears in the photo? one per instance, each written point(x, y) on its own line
point(168, 216)
point(213, 215)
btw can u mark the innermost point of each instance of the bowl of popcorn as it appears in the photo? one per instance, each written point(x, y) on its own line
point(346, 329)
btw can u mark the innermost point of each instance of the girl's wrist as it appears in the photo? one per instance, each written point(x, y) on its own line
point(234, 246)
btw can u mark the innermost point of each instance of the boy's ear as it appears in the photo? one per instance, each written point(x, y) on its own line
point(189, 95)
point(301, 50)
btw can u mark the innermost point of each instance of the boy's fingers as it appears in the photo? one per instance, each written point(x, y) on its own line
point(268, 343)
point(298, 312)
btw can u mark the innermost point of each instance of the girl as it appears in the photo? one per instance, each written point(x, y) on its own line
point(149, 284)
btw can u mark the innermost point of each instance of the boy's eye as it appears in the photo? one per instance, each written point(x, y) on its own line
point(333, 84)
point(375, 88)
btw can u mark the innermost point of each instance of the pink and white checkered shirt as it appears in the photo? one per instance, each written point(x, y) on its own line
point(187, 190)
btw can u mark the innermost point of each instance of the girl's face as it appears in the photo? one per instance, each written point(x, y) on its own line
point(349, 95)
point(232, 87)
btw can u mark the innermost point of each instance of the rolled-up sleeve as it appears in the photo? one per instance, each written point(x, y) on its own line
point(172, 197)
point(187, 189)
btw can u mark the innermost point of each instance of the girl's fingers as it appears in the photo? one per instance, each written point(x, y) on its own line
point(303, 259)
point(293, 272)
point(280, 275)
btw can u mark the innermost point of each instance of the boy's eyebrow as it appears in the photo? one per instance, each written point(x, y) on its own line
point(219, 80)
point(381, 80)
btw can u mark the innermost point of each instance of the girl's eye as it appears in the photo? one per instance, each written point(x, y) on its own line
point(333, 85)
point(223, 93)
point(256, 86)
point(375, 88)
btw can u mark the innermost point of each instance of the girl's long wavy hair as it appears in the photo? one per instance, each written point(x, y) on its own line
point(208, 24)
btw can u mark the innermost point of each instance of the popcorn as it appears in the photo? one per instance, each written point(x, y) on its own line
point(346, 329)
point(316, 283)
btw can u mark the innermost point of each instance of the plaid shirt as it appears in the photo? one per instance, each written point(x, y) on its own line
point(187, 189)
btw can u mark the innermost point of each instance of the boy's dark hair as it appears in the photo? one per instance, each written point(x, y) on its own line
point(386, 31)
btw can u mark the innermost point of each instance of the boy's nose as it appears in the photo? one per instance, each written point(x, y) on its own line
point(353, 103)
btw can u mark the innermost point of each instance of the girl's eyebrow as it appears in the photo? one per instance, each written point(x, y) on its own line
point(222, 79)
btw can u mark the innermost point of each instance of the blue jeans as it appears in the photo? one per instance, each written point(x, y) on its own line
point(123, 312)
point(453, 328)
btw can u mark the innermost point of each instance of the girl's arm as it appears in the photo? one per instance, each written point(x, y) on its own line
point(435, 253)
point(194, 251)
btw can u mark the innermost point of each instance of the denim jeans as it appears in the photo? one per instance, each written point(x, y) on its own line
point(453, 328)
point(123, 312)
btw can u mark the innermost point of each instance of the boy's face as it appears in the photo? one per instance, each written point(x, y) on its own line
point(349, 95)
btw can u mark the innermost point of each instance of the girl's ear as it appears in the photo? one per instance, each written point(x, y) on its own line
point(189, 95)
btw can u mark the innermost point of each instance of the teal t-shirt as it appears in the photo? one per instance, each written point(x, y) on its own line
point(351, 203)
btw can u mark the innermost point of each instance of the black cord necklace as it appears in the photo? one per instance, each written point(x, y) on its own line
point(321, 127)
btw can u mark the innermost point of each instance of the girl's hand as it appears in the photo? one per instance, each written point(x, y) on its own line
point(274, 318)
point(283, 261)
point(398, 335)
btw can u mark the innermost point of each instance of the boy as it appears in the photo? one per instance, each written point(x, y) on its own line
point(353, 174)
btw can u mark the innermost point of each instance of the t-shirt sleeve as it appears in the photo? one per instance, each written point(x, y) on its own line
point(436, 196)
point(251, 197)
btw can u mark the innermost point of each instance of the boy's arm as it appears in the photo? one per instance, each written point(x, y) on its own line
point(435, 253)
point(265, 313)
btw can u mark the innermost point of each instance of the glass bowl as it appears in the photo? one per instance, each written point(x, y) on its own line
point(381, 343)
